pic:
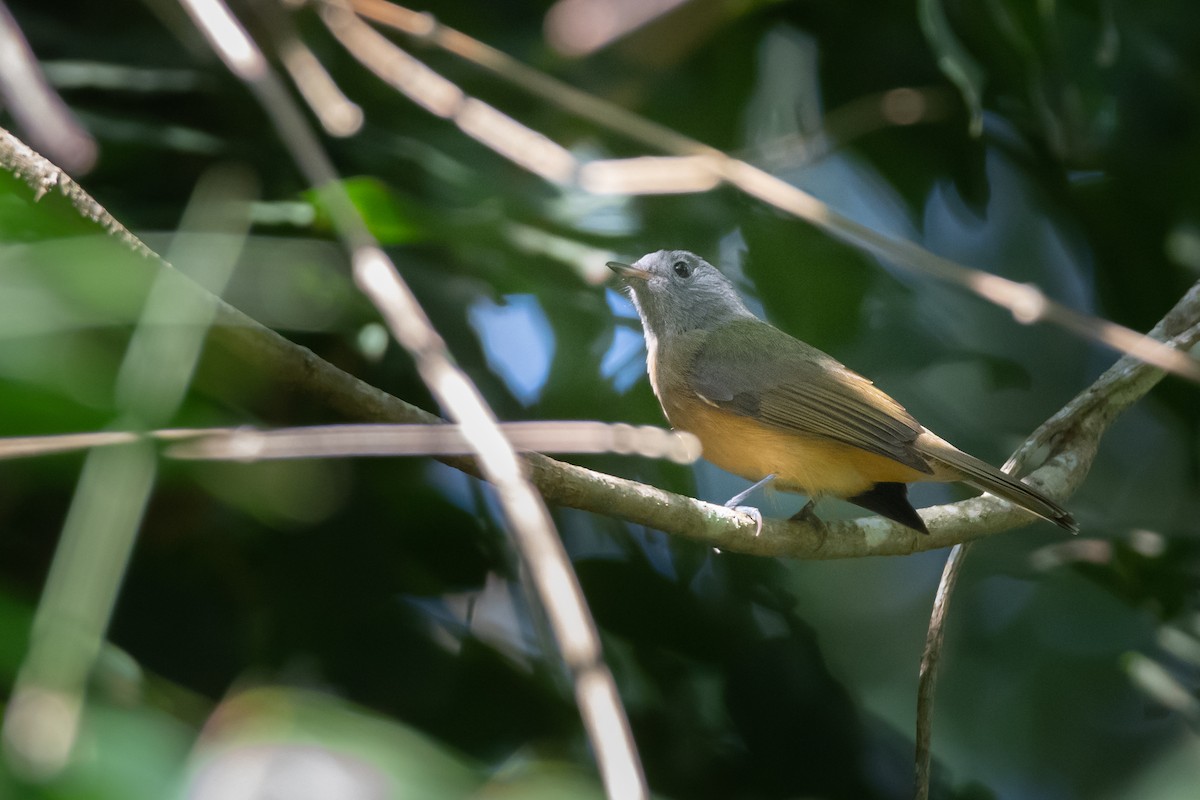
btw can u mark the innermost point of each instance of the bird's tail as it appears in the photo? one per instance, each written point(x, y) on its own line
point(984, 476)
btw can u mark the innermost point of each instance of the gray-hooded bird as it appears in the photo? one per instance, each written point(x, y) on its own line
point(768, 407)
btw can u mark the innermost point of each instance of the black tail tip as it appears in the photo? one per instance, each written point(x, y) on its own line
point(891, 500)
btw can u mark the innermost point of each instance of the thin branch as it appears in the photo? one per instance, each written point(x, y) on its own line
point(33, 103)
point(930, 659)
point(1093, 410)
point(100, 531)
point(1073, 433)
point(1073, 429)
point(352, 441)
point(43, 177)
point(1122, 385)
point(536, 153)
point(527, 519)
point(378, 439)
point(338, 115)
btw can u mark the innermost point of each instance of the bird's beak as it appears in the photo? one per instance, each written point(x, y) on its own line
point(626, 271)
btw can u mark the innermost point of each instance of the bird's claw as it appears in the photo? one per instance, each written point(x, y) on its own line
point(754, 514)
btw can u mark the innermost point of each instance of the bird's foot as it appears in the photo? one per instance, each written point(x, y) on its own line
point(750, 511)
point(754, 514)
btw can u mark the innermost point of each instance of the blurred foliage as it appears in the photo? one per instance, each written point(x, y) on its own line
point(359, 622)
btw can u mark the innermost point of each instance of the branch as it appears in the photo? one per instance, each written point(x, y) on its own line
point(1072, 434)
point(1089, 415)
point(1060, 452)
point(1082, 421)
point(930, 659)
point(35, 106)
point(697, 166)
point(43, 177)
point(247, 444)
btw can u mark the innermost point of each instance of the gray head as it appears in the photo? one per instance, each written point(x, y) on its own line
point(676, 291)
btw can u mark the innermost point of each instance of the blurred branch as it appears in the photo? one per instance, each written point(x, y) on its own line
point(1087, 417)
point(43, 718)
point(355, 441)
point(528, 523)
point(1076, 428)
point(333, 441)
point(1071, 435)
point(856, 119)
point(36, 107)
point(703, 166)
point(578, 28)
point(338, 115)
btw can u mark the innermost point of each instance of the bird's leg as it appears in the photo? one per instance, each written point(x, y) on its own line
point(753, 512)
point(808, 514)
point(742, 495)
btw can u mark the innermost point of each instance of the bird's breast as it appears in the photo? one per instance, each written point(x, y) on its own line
point(809, 464)
point(652, 363)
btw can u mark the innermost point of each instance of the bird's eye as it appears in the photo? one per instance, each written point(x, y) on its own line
point(681, 269)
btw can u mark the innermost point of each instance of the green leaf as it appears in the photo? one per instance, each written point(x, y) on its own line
point(391, 218)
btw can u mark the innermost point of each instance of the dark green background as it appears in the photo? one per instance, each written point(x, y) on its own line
point(743, 677)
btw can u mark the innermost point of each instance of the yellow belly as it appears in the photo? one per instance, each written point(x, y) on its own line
point(805, 464)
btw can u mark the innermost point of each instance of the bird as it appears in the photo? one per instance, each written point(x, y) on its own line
point(773, 409)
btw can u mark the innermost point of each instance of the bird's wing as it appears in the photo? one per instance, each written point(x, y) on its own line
point(778, 380)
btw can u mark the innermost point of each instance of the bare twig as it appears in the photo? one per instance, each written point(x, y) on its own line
point(338, 115)
point(536, 153)
point(350, 441)
point(1122, 385)
point(528, 520)
point(43, 177)
point(332, 441)
point(34, 104)
point(930, 659)
point(299, 370)
point(98, 536)
point(1080, 423)
point(578, 28)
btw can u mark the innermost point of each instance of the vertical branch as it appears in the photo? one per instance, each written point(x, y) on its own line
point(42, 721)
point(526, 516)
point(930, 659)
